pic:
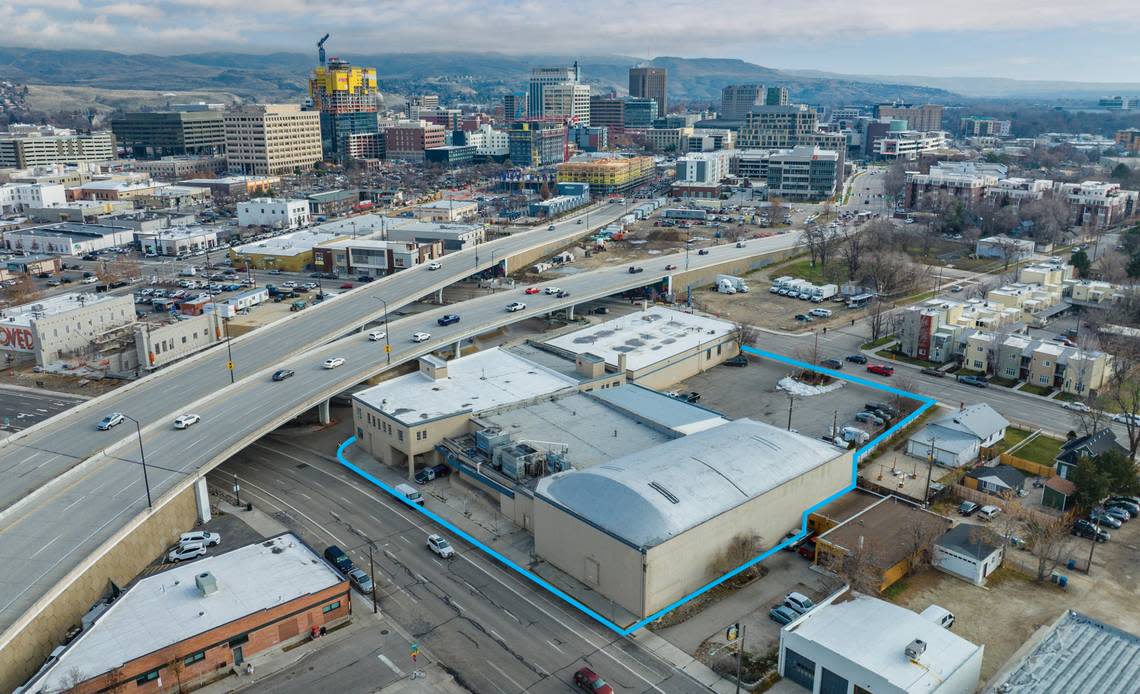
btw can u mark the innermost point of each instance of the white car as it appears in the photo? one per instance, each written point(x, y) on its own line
point(515, 306)
point(440, 546)
point(1125, 418)
point(421, 337)
point(1077, 407)
point(185, 421)
point(206, 538)
point(90, 280)
point(551, 290)
point(190, 550)
point(290, 284)
point(333, 362)
point(376, 335)
point(434, 266)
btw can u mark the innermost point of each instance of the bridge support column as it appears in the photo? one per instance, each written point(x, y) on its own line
point(323, 412)
point(458, 349)
point(202, 500)
point(645, 304)
point(439, 296)
point(570, 313)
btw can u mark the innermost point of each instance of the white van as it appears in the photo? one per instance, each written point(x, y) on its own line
point(939, 615)
point(411, 494)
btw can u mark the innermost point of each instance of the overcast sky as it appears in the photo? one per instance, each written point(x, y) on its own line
point(1025, 39)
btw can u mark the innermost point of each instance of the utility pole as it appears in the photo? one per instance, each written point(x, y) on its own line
point(929, 470)
point(791, 400)
point(237, 491)
point(372, 574)
point(740, 655)
point(1092, 546)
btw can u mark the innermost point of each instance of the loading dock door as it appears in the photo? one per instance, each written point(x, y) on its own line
point(799, 669)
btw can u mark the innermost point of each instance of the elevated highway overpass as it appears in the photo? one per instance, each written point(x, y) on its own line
point(87, 523)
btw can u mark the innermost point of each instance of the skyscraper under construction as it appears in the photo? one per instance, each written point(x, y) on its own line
point(346, 98)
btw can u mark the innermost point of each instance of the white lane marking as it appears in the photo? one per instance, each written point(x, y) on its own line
point(405, 539)
point(68, 507)
point(496, 635)
point(551, 643)
point(440, 565)
point(513, 681)
point(45, 546)
point(512, 616)
point(391, 666)
point(307, 497)
point(457, 605)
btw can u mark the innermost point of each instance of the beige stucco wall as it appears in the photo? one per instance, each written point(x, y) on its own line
point(677, 567)
point(571, 545)
point(687, 364)
point(122, 562)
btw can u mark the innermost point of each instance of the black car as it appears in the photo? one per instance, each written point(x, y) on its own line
point(365, 278)
point(633, 269)
point(738, 360)
point(1085, 529)
point(882, 407)
point(448, 319)
point(831, 364)
point(691, 396)
point(703, 251)
point(562, 294)
point(856, 358)
point(282, 374)
point(1132, 509)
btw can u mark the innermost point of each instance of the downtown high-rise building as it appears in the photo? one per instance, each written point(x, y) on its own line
point(542, 77)
point(268, 139)
point(345, 96)
point(568, 101)
point(650, 83)
point(736, 100)
point(515, 106)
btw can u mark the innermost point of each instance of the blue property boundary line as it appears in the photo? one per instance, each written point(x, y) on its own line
point(585, 609)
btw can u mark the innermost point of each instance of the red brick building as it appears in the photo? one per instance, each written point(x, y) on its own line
point(199, 621)
point(408, 142)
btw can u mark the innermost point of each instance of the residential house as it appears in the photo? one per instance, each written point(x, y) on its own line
point(997, 479)
point(959, 439)
point(968, 551)
point(1089, 446)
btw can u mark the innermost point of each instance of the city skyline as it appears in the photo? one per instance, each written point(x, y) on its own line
point(1012, 39)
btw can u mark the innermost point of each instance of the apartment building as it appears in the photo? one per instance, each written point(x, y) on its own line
point(608, 175)
point(650, 83)
point(983, 126)
point(1014, 190)
point(407, 140)
point(942, 182)
point(536, 143)
point(18, 197)
point(921, 118)
point(1097, 203)
point(272, 139)
point(910, 144)
point(24, 146)
point(1129, 139)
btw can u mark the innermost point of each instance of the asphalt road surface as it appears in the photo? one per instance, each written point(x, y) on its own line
point(494, 631)
point(48, 534)
point(21, 408)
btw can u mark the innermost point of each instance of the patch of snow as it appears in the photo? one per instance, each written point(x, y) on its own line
point(804, 390)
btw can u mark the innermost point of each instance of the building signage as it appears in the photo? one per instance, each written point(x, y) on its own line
point(16, 338)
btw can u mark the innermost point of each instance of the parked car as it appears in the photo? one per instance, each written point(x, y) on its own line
point(803, 317)
point(282, 374)
point(433, 266)
point(807, 550)
point(206, 538)
point(1105, 519)
point(1125, 418)
point(588, 681)
point(933, 372)
point(421, 337)
point(333, 362)
point(881, 369)
point(869, 417)
point(988, 512)
point(738, 360)
point(831, 364)
point(1087, 530)
point(112, 420)
point(448, 319)
point(440, 546)
point(978, 381)
point(967, 508)
point(360, 580)
point(856, 358)
point(190, 550)
point(515, 306)
point(186, 421)
point(782, 614)
point(336, 556)
point(1132, 509)
point(1077, 406)
point(799, 602)
point(1129, 499)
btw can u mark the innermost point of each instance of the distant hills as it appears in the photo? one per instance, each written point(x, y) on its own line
point(994, 87)
point(454, 76)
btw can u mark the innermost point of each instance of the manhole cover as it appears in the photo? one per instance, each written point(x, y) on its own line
point(383, 632)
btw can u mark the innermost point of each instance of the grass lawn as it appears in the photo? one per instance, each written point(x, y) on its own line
point(897, 356)
point(968, 372)
point(1041, 449)
point(800, 269)
point(1006, 382)
point(1068, 397)
point(886, 339)
point(1036, 390)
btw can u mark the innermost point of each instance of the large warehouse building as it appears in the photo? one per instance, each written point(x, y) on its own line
point(645, 529)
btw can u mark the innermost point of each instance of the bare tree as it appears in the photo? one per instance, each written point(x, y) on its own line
point(851, 248)
point(1048, 539)
point(859, 566)
point(24, 291)
point(820, 241)
point(877, 317)
point(1009, 522)
point(894, 178)
point(744, 334)
point(73, 678)
point(740, 549)
point(1123, 392)
point(1010, 248)
point(1050, 217)
point(775, 204)
point(919, 538)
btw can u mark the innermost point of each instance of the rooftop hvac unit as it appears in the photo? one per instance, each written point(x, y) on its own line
point(487, 440)
point(206, 583)
point(915, 649)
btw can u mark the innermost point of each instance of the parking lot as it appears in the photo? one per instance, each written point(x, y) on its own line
point(751, 392)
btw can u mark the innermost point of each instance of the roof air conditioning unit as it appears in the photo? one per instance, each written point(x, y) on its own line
point(207, 584)
point(915, 649)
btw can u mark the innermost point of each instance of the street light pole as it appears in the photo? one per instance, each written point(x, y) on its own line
point(387, 338)
point(142, 458)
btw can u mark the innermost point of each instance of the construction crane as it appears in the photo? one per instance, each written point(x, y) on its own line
point(321, 49)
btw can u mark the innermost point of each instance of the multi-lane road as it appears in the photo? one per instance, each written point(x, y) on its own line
point(492, 630)
point(54, 531)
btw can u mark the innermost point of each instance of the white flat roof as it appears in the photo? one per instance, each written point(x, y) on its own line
point(167, 608)
point(646, 337)
point(478, 382)
point(446, 204)
point(292, 244)
point(49, 306)
point(874, 634)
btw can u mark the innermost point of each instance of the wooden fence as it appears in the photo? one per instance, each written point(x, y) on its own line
point(1036, 469)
